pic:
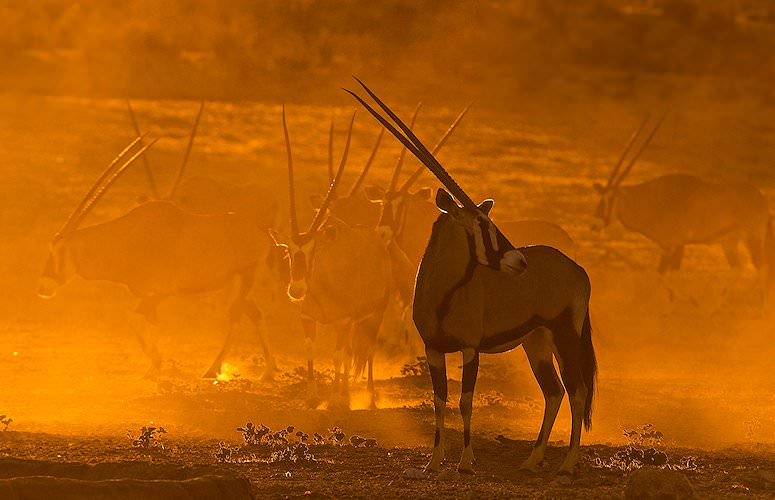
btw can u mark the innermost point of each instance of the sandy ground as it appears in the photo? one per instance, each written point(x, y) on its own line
point(71, 368)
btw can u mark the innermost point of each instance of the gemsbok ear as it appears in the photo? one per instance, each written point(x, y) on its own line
point(374, 193)
point(486, 206)
point(444, 201)
point(424, 193)
point(279, 239)
point(599, 188)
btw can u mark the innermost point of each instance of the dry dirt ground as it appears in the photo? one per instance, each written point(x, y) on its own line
point(71, 369)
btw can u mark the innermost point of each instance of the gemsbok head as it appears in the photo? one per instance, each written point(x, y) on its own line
point(475, 293)
point(60, 266)
point(300, 245)
point(606, 206)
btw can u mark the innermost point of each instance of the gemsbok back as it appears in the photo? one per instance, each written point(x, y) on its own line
point(157, 251)
point(676, 210)
point(341, 276)
point(476, 293)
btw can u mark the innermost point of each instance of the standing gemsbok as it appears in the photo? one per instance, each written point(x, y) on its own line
point(676, 210)
point(157, 251)
point(341, 275)
point(476, 293)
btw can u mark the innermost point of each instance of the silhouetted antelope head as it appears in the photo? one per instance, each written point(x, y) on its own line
point(606, 206)
point(300, 246)
point(60, 266)
point(492, 248)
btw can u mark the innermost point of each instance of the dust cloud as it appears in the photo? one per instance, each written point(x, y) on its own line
point(558, 87)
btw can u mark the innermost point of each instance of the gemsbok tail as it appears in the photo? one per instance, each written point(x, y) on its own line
point(588, 369)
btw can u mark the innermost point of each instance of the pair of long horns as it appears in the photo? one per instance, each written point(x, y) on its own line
point(103, 183)
point(182, 168)
point(319, 216)
point(362, 176)
point(618, 176)
point(414, 145)
point(419, 170)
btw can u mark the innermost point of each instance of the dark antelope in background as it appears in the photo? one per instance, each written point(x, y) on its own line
point(676, 210)
point(157, 251)
point(341, 276)
point(476, 293)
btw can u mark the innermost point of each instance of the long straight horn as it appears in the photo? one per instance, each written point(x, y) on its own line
point(70, 223)
point(331, 152)
point(640, 151)
point(402, 156)
point(109, 182)
point(319, 217)
point(191, 137)
point(414, 145)
point(627, 148)
point(291, 182)
point(418, 172)
point(146, 163)
point(362, 177)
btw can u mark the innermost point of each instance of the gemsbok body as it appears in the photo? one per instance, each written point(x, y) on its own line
point(340, 274)
point(476, 293)
point(676, 210)
point(158, 250)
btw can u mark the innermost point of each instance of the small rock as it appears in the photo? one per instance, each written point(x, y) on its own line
point(561, 480)
point(414, 473)
point(650, 482)
point(448, 475)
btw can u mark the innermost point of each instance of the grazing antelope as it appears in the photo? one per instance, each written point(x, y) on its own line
point(477, 293)
point(341, 275)
point(157, 251)
point(676, 210)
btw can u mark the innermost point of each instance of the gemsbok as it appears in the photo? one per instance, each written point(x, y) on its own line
point(477, 293)
point(157, 251)
point(341, 276)
point(676, 210)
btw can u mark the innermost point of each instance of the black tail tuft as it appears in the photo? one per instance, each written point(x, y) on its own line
point(588, 369)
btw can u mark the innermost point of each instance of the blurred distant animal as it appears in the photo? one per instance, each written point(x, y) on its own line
point(157, 250)
point(207, 196)
point(341, 275)
point(676, 210)
point(477, 293)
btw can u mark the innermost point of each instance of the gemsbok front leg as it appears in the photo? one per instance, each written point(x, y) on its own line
point(259, 322)
point(538, 347)
point(437, 364)
point(145, 322)
point(310, 332)
point(470, 371)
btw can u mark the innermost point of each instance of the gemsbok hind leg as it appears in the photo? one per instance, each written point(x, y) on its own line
point(144, 319)
point(437, 365)
point(470, 372)
point(259, 321)
point(538, 347)
point(576, 360)
point(310, 332)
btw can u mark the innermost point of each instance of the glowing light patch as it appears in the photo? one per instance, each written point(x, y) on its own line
point(228, 372)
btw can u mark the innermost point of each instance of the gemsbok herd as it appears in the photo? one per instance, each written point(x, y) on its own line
point(470, 281)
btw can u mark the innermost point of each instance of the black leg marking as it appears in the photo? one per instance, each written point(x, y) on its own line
point(547, 380)
point(439, 379)
point(470, 372)
point(466, 437)
point(437, 439)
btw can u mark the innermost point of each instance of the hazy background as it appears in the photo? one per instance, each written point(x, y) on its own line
point(558, 86)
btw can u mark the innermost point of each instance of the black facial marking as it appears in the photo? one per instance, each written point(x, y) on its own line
point(299, 265)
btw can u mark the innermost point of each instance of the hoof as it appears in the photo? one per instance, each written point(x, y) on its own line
point(211, 373)
point(432, 468)
point(466, 470)
point(268, 375)
point(154, 372)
